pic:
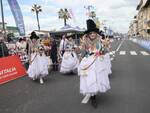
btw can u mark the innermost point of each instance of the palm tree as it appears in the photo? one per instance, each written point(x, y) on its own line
point(37, 8)
point(92, 14)
point(64, 14)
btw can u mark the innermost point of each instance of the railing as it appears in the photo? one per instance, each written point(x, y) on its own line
point(142, 42)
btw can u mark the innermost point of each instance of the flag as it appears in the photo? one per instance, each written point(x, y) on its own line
point(16, 11)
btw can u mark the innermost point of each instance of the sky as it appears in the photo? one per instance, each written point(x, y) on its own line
point(116, 14)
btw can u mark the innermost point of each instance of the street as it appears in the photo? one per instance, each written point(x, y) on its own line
point(130, 81)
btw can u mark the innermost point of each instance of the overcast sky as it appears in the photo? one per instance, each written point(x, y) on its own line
point(117, 14)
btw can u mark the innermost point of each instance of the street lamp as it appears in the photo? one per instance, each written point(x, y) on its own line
point(3, 22)
point(37, 8)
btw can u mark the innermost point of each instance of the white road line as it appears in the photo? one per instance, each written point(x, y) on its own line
point(133, 53)
point(144, 53)
point(85, 99)
point(119, 46)
point(122, 52)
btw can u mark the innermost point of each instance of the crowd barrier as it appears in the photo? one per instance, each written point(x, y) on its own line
point(143, 43)
point(11, 68)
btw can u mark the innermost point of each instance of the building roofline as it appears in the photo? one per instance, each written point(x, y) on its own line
point(146, 4)
point(139, 5)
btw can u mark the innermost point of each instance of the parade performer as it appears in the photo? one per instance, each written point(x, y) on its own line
point(92, 70)
point(62, 45)
point(39, 63)
point(70, 60)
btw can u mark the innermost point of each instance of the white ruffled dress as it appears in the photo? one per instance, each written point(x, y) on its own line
point(39, 67)
point(108, 63)
point(69, 62)
point(93, 75)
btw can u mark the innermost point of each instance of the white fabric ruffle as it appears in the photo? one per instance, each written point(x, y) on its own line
point(95, 78)
point(69, 62)
point(108, 63)
point(39, 66)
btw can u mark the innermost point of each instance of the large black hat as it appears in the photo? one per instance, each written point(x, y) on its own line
point(91, 27)
point(34, 36)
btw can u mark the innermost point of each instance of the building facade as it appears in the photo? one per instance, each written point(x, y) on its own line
point(9, 29)
point(133, 28)
point(143, 18)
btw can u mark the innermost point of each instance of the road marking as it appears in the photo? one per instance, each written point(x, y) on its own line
point(144, 53)
point(122, 52)
point(86, 99)
point(133, 53)
point(119, 46)
point(112, 52)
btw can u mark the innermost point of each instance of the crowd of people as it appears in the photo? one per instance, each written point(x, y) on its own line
point(90, 60)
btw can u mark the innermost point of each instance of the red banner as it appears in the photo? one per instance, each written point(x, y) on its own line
point(11, 68)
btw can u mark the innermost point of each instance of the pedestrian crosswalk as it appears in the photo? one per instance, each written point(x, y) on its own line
point(144, 53)
point(132, 53)
point(122, 52)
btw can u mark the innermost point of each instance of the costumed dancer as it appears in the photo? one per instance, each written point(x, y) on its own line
point(39, 64)
point(92, 70)
point(62, 46)
point(70, 60)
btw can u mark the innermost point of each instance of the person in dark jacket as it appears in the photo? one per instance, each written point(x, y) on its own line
point(53, 55)
point(3, 48)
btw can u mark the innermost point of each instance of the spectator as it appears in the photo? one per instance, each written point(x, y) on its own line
point(3, 48)
point(53, 55)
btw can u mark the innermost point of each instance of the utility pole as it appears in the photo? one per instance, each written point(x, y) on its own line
point(3, 22)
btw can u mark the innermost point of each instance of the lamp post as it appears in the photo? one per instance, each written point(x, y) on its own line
point(3, 22)
point(37, 8)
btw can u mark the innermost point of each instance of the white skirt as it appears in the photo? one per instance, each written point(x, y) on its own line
point(39, 67)
point(69, 62)
point(95, 78)
point(108, 63)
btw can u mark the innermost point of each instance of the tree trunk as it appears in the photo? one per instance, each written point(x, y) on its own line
point(65, 21)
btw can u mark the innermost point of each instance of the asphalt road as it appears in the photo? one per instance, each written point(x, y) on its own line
point(129, 92)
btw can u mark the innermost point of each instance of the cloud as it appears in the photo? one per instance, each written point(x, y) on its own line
point(118, 13)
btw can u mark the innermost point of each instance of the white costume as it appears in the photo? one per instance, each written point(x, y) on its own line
point(39, 66)
point(39, 62)
point(62, 46)
point(70, 60)
point(108, 63)
point(92, 70)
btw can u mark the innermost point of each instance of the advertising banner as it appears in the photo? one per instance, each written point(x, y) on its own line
point(11, 68)
point(16, 11)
